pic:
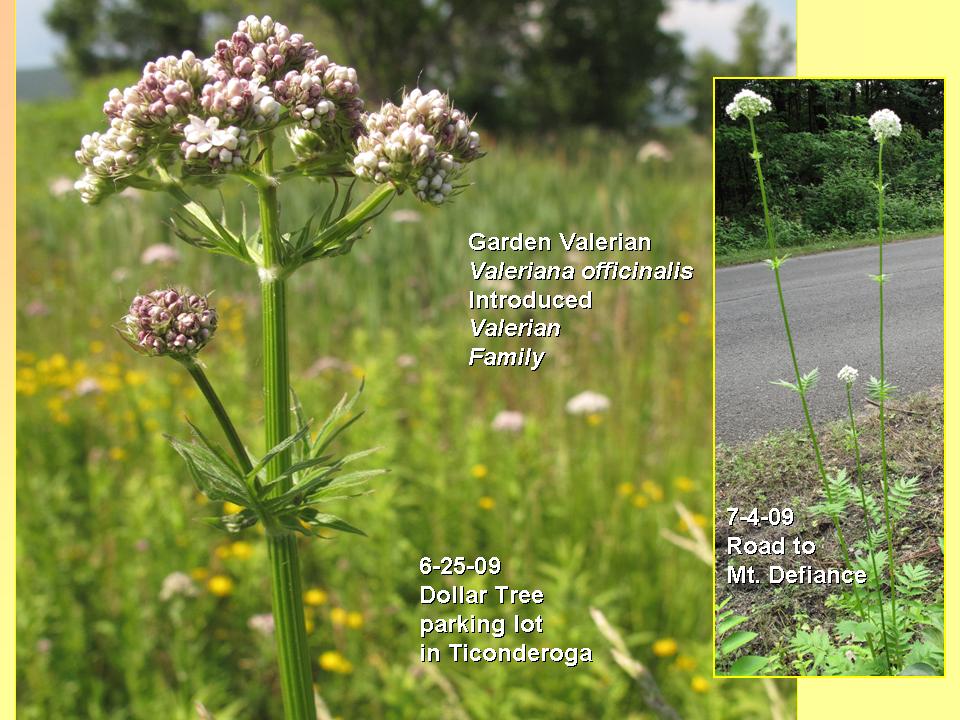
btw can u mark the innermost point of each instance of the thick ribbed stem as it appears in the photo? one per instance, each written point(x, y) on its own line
point(891, 559)
point(771, 242)
point(869, 524)
point(295, 676)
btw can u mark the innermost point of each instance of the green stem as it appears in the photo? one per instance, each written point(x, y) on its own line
point(233, 437)
point(295, 676)
point(891, 564)
point(841, 541)
point(867, 521)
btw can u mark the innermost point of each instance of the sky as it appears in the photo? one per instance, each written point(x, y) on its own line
point(710, 23)
point(704, 23)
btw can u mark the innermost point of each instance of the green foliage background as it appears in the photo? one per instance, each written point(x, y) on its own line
point(819, 161)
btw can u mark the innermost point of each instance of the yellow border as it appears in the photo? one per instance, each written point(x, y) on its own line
point(798, 78)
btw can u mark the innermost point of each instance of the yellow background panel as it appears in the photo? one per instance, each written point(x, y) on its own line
point(880, 38)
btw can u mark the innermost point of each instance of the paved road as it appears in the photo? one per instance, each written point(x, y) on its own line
point(833, 310)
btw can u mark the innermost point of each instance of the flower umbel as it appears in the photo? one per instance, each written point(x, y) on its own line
point(748, 104)
point(885, 124)
point(847, 375)
point(422, 145)
point(169, 322)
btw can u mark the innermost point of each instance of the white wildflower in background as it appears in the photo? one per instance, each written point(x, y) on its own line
point(588, 403)
point(654, 150)
point(406, 361)
point(60, 187)
point(748, 104)
point(508, 421)
point(262, 623)
point(160, 254)
point(178, 583)
point(885, 124)
point(405, 216)
point(87, 386)
point(847, 375)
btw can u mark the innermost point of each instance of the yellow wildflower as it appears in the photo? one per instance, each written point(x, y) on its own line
point(625, 489)
point(241, 550)
point(354, 620)
point(117, 454)
point(135, 378)
point(230, 508)
point(685, 662)
point(653, 491)
point(699, 684)
point(664, 647)
point(315, 597)
point(222, 552)
point(487, 503)
point(640, 501)
point(594, 419)
point(200, 574)
point(338, 616)
point(333, 661)
point(698, 519)
point(683, 483)
point(479, 471)
point(220, 585)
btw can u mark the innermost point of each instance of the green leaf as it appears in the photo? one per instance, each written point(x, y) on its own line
point(331, 522)
point(276, 450)
point(787, 384)
point(724, 626)
point(736, 641)
point(749, 665)
point(918, 669)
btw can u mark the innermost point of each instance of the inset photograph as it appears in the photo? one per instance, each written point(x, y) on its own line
point(828, 200)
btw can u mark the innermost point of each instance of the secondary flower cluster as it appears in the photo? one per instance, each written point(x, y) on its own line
point(170, 322)
point(885, 124)
point(847, 375)
point(422, 145)
point(749, 104)
point(211, 109)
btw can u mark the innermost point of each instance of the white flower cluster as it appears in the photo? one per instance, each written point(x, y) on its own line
point(116, 153)
point(422, 145)
point(748, 104)
point(884, 124)
point(847, 375)
point(206, 143)
point(212, 108)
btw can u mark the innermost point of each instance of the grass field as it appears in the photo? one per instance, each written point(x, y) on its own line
point(572, 505)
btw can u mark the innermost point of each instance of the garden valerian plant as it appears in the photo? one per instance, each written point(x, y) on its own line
point(195, 123)
point(893, 630)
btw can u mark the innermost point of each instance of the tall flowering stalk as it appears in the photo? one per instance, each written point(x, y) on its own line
point(192, 123)
point(750, 105)
point(885, 125)
point(848, 377)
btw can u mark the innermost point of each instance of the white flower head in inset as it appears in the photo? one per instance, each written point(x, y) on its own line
point(748, 104)
point(885, 124)
point(847, 375)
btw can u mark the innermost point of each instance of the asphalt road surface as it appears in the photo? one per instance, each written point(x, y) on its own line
point(833, 309)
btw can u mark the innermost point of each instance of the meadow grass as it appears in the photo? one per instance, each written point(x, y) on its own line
point(572, 505)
